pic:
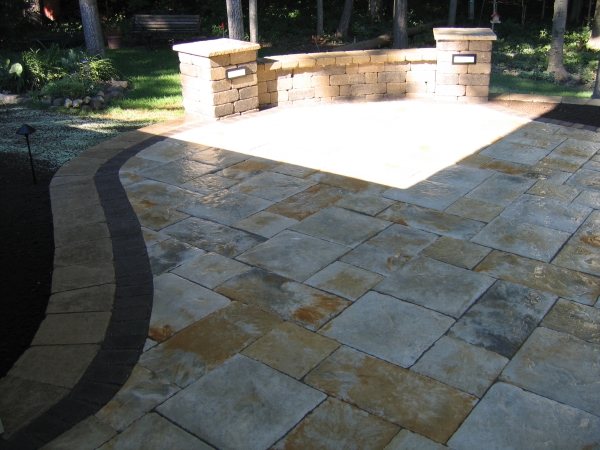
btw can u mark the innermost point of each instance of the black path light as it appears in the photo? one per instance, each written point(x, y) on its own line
point(26, 130)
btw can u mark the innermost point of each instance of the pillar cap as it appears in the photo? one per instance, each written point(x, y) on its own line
point(464, 34)
point(215, 47)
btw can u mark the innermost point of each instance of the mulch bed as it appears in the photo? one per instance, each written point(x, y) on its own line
point(27, 250)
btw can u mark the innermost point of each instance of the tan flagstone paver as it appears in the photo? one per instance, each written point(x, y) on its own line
point(575, 319)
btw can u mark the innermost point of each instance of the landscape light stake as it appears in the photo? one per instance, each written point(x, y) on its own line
point(26, 130)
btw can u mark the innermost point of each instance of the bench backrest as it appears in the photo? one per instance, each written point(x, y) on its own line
point(162, 23)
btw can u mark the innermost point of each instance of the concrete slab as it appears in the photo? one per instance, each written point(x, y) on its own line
point(388, 328)
point(258, 402)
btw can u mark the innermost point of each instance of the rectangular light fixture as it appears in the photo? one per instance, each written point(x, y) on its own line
point(236, 73)
point(464, 59)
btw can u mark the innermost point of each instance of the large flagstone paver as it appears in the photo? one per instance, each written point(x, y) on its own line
point(390, 249)
point(436, 285)
point(179, 303)
point(212, 237)
point(509, 417)
point(143, 391)
point(549, 278)
point(558, 366)
point(503, 318)
point(160, 193)
point(309, 201)
point(219, 157)
point(588, 198)
point(170, 253)
point(456, 252)
point(225, 207)
point(388, 328)
point(285, 298)
point(265, 224)
point(585, 179)
point(341, 226)
point(335, 425)
point(273, 186)
point(293, 170)
point(581, 259)
point(575, 319)
point(72, 328)
point(166, 151)
point(429, 194)
point(547, 212)
point(461, 365)
point(89, 434)
point(588, 234)
point(160, 216)
point(521, 238)
point(400, 396)
point(405, 440)
point(242, 395)
point(177, 172)
point(210, 270)
point(432, 221)
point(156, 433)
point(461, 176)
point(345, 280)
point(365, 203)
point(548, 189)
point(501, 189)
point(247, 169)
point(471, 208)
point(201, 347)
point(291, 349)
point(517, 152)
point(96, 298)
point(293, 255)
point(209, 184)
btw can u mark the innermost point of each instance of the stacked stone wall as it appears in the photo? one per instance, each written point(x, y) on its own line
point(368, 75)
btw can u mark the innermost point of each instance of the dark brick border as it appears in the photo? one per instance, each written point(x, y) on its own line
point(128, 327)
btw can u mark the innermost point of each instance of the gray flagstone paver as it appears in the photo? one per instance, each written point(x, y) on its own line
point(501, 189)
point(429, 194)
point(575, 319)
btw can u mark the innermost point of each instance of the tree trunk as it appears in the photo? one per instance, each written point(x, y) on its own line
point(320, 31)
point(575, 15)
point(596, 93)
point(34, 12)
point(386, 39)
point(342, 30)
point(92, 30)
point(555, 55)
point(235, 19)
point(400, 24)
point(452, 13)
point(375, 7)
point(253, 22)
point(594, 41)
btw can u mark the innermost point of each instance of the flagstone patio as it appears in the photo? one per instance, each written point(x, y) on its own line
point(372, 276)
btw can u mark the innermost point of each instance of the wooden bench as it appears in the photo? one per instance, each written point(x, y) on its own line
point(151, 27)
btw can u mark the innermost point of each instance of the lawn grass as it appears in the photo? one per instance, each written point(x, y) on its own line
point(157, 87)
point(510, 84)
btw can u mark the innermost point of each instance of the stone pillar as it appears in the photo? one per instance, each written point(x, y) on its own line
point(218, 77)
point(464, 64)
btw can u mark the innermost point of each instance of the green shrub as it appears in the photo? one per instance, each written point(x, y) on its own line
point(67, 87)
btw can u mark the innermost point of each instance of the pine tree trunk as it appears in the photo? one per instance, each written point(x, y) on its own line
point(596, 22)
point(235, 19)
point(320, 31)
point(575, 15)
point(253, 22)
point(92, 30)
point(400, 24)
point(342, 30)
point(452, 13)
point(375, 7)
point(34, 12)
point(555, 55)
point(596, 93)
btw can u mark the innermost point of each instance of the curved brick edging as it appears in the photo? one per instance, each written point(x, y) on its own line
point(127, 329)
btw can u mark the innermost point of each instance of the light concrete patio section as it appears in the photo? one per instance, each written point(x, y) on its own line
point(359, 276)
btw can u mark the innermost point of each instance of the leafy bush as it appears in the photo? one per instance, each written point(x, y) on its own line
point(67, 87)
point(11, 77)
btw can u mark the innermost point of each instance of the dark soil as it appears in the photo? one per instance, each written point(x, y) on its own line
point(27, 250)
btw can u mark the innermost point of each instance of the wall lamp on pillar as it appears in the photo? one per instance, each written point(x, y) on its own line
point(26, 130)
